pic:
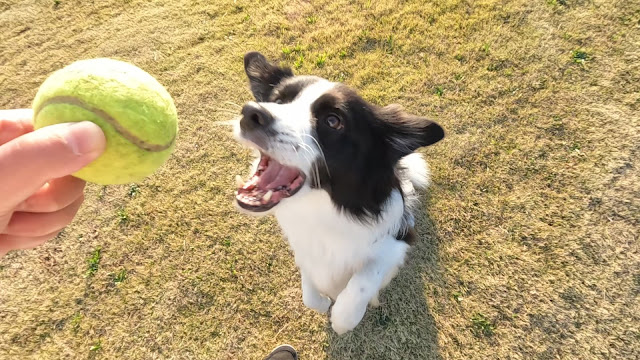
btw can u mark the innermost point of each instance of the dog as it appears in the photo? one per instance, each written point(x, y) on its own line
point(340, 175)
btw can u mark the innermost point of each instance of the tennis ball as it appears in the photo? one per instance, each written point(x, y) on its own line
point(135, 112)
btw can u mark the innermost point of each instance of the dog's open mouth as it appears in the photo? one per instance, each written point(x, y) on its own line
point(271, 183)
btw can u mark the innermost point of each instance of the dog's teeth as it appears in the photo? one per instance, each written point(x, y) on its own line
point(239, 181)
point(267, 196)
point(250, 185)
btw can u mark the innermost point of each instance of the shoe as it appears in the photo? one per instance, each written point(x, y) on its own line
point(283, 352)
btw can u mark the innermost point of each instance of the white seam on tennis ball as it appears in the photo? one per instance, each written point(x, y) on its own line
point(70, 100)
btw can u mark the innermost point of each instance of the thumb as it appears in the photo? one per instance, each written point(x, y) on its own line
point(29, 161)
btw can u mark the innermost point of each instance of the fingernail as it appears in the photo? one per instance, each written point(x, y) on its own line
point(85, 137)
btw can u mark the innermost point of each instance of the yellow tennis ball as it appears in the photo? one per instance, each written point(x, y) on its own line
point(135, 112)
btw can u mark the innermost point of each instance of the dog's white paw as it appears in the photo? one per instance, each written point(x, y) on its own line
point(316, 302)
point(345, 316)
point(375, 302)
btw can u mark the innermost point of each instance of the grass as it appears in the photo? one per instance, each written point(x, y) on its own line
point(94, 262)
point(481, 325)
point(312, 19)
point(134, 190)
point(95, 348)
point(299, 62)
point(75, 322)
point(123, 215)
point(321, 60)
point(580, 56)
point(288, 51)
point(530, 226)
point(120, 277)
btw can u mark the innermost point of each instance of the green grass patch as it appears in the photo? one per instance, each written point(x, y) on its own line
point(123, 216)
point(134, 190)
point(96, 346)
point(75, 323)
point(321, 60)
point(580, 56)
point(299, 62)
point(120, 277)
point(481, 326)
point(93, 262)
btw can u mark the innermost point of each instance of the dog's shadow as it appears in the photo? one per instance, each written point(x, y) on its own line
point(402, 327)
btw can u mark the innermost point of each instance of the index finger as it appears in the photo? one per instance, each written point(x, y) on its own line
point(15, 123)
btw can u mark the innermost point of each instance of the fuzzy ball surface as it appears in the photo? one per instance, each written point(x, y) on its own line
point(135, 112)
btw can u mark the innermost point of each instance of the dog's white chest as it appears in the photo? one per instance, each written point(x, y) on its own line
point(328, 245)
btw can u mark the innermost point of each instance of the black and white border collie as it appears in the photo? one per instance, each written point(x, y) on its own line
point(340, 175)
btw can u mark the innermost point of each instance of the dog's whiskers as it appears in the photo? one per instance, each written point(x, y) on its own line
point(235, 112)
point(234, 104)
point(313, 164)
point(231, 122)
point(306, 148)
point(324, 159)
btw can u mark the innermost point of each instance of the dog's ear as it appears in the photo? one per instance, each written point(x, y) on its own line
point(405, 132)
point(263, 76)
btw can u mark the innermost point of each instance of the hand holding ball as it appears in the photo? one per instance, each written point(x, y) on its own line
point(135, 112)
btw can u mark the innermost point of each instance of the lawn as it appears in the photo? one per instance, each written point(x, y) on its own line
point(529, 236)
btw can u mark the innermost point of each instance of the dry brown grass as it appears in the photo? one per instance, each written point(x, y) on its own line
point(529, 245)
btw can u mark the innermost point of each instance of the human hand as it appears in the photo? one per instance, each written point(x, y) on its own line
point(38, 198)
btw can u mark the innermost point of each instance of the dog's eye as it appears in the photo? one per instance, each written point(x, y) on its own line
point(334, 122)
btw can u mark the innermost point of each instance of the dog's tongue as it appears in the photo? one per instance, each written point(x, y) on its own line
point(276, 175)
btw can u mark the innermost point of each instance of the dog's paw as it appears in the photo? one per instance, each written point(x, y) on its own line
point(340, 329)
point(374, 302)
point(345, 316)
point(316, 302)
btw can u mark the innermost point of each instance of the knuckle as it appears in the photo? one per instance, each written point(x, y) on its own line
point(40, 204)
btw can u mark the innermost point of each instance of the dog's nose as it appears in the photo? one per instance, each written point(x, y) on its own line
point(254, 117)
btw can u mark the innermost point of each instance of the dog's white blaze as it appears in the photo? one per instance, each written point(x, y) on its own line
point(293, 122)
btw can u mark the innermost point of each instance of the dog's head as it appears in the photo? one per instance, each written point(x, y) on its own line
point(316, 134)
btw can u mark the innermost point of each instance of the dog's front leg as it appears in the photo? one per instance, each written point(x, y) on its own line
point(311, 297)
point(352, 302)
point(364, 285)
